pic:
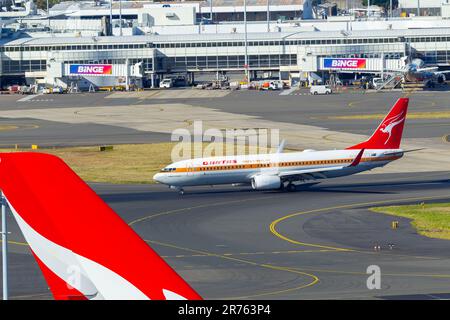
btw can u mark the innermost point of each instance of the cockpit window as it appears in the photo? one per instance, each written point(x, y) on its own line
point(167, 169)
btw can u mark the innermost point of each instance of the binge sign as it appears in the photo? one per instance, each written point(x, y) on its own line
point(344, 63)
point(91, 69)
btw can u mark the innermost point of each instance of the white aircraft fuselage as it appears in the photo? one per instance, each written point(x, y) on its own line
point(279, 170)
point(242, 169)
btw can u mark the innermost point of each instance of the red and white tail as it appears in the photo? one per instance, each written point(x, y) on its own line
point(389, 133)
point(84, 249)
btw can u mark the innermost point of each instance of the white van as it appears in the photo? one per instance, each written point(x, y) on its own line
point(320, 90)
point(166, 83)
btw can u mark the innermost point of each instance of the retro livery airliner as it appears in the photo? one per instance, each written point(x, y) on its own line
point(286, 170)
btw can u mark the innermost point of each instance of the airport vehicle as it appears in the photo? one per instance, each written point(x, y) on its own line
point(106, 260)
point(166, 83)
point(14, 88)
point(54, 90)
point(377, 82)
point(286, 170)
point(271, 85)
point(320, 90)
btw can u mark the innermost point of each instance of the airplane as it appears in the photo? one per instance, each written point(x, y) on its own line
point(415, 71)
point(83, 248)
point(283, 171)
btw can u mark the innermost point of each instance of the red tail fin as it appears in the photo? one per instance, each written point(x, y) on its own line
point(389, 133)
point(83, 247)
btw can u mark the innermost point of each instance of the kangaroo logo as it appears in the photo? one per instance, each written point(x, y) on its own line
point(390, 124)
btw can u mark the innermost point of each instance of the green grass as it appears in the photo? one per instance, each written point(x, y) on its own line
point(125, 164)
point(430, 220)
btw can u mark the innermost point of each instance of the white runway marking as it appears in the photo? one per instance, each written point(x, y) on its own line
point(288, 91)
point(28, 98)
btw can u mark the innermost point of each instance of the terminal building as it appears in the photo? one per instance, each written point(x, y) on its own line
point(69, 47)
point(424, 7)
point(142, 60)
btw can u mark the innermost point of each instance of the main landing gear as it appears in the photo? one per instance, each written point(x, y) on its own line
point(289, 187)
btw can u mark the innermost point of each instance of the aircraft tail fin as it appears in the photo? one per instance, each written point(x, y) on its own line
point(84, 249)
point(389, 133)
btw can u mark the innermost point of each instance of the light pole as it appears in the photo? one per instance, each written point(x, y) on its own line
point(268, 15)
point(120, 16)
point(418, 8)
point(4, 249)
point(245, 41)
point(211, 10)
point(390, 9)
point(48, 15)
point(110, 15)
point(368, 8)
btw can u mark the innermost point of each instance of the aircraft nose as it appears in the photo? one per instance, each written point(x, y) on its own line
point(158, 177)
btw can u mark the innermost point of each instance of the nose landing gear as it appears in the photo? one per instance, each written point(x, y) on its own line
point(179, 189)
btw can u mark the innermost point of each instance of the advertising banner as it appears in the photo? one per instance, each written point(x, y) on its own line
point(90, 69)
point(344, 63)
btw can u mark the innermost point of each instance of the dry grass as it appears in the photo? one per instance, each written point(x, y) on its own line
point(129, 163)
point(430, 220)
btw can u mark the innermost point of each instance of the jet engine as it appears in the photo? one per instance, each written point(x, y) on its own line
point(441, 78)
point(266, 182)
point(417, 63)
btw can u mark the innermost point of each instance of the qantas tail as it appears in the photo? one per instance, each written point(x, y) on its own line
point(84, 249)
point(389, 133)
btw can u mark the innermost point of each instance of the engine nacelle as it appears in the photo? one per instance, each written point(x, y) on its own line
point(266, 182)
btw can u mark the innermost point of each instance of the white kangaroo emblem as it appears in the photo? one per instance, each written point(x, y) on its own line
point(390, 124)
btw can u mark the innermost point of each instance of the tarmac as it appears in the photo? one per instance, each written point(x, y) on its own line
point(306, 122)
point(316, 243)
point(233, 242)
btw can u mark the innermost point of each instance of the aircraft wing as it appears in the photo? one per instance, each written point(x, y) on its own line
point(429, 69)
point(309, 173)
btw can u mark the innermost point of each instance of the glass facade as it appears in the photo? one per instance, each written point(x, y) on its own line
point(221, 54)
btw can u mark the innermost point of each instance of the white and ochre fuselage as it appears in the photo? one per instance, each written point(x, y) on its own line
point(289, 167)
point(279, 170)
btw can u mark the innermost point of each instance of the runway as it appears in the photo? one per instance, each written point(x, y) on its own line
point(315, 243)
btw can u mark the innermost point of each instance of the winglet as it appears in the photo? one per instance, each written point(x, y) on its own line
point(281, 146)
point(357, 160)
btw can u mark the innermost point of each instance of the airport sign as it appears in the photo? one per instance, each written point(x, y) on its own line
point(344, 63)
point(90, 69)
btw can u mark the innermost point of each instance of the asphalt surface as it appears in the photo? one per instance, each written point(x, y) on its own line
point(227, 242)
point(316, 243)
point(301, 109)
point(58, 134)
